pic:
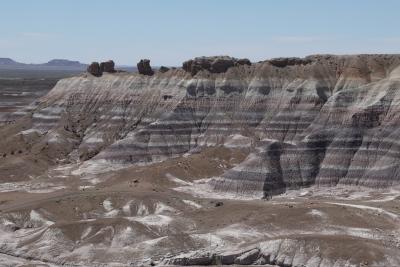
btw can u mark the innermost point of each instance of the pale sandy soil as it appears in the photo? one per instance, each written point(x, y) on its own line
point(160, 212)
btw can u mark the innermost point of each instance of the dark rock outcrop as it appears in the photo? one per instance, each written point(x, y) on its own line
point(107, 66)
point(289, 61)
point(94, 69)
point(144, 67)
point(217, 64)
point(243, 61)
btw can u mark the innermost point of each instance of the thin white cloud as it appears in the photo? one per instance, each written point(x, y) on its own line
point(38, 35)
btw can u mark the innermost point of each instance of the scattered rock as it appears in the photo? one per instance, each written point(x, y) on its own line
point(107, 66)
point(163, 69)
point(217, 64)
point(219, 204)
point(12, 227)
point(248, 257)
point(94, 69)
point(166, 97)
point(144, 67)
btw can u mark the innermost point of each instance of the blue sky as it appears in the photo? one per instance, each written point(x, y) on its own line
point(171, 31)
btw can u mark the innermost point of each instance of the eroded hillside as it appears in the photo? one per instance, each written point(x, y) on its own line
point(329, 120)
point(137, 164)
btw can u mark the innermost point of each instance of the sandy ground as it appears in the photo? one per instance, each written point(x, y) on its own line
point(144, 215)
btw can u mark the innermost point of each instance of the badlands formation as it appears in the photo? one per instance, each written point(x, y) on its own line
point(284, 162)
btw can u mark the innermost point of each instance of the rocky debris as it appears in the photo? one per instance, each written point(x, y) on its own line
point(189, 261)
point(12, 227)
point(144, 67)
point(163, 69)
point(289, 61)
point(216, 64)
point(107, 66)
point(166, 97)
point(248, 257)
point(94, 69)
point(219, 204)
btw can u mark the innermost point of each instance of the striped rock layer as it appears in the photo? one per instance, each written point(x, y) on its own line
point(334, 120)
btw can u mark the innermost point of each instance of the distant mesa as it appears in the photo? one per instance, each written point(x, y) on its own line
point(52, 64)
point(8, 61)
point(64, 62)
point(144, 67)
point(216, 64)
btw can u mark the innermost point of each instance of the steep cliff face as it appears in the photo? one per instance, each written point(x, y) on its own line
point(325, 120)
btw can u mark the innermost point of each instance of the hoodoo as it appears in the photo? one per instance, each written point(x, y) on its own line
point(97, 69)
point(107, 66)
point(94, 69)
point(144, 67)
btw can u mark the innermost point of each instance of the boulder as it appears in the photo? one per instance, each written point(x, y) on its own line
point(144, 67)
point(94, 69)
point(217, 64)
point(163, 69)
point(219, 204)
point(107, 66)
